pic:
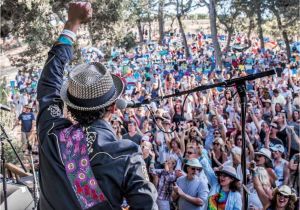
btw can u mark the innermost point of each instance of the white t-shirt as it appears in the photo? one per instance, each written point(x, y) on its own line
point(162, 149)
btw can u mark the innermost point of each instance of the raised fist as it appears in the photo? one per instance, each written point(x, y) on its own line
point(80, 12)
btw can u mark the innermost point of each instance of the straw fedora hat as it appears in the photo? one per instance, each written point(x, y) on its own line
point(230, 171)
point(287, 191)
point(91, 87)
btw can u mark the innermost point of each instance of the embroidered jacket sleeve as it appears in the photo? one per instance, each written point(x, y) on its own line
point(140, 192)
point(50, 82)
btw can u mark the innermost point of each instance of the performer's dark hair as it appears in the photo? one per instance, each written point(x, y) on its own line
point(86, 118)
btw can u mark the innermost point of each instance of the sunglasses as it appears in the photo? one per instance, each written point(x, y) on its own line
point(216, 133)
point(215, 143)
point(196, 169)
point(239, 139)
point(282, 195)
point(223, 175)
point(190, 153)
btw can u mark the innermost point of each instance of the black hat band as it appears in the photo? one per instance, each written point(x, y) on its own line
point(93, 102)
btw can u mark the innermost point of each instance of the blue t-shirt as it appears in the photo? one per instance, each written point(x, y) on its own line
point(195, 188)
point(26, 121)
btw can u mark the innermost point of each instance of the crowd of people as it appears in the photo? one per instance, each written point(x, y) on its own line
point(192, 144)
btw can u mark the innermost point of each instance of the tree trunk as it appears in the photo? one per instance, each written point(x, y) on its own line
point(259, 25)
point(230, 32)
point(140, 30)
point(161, 21)
point(171, 25)
point(91, 34)
point(283, 32)
point(214, 32)
point(186, 49)
point(251, 26)
point(150, 30)
point(287, 43)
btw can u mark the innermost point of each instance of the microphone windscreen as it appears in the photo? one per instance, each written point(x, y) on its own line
point(121, 103)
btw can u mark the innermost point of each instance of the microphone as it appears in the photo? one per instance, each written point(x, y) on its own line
point(123, 104)
point(4, 108)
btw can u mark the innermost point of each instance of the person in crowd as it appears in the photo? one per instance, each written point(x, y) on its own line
point(284, 133)
point(263, 159)
point(148, 155)
point(263, 177)
point(167, 178)
point(162, 140)
point(281, 166)
point(266, 110)
point(218, 153)
point(132, 134)
point(282, 197)
point(269, 135)
point(225, 188)
point(81, 163)
point(278, 98)
point(176, 152)
point(27, 121)
point(190, 191)
point(215, 125)
point(294, 172)
point(117, 125)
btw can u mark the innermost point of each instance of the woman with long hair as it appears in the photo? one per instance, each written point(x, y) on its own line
point(281, 166)
point(225, 188)
point(176, 151)
point(218, 153)
point(263, 159)
point(294, 172)
point(263, 177)
point(282, 198)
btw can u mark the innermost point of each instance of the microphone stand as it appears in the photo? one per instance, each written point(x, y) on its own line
point(35, 182)
point(241, 89)
point(240, 84)
point(3, 137)
point(3, 173)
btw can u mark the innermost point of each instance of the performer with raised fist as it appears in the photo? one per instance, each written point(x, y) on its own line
point(82, 164)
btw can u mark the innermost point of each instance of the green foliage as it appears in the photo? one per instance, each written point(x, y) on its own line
point(128, 41)
point(105, 14)
point(3, 91)
point(10, 156)
point(38, 23)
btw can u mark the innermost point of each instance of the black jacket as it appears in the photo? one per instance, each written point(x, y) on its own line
point(118, 166)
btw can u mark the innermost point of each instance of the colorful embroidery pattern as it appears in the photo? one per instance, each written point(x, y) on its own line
point(217, 201)
point(73, 146)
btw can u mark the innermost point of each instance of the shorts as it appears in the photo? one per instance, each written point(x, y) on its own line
point(25, 137)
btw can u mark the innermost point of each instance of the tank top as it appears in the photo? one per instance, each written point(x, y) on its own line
point(214, 163)
point(279, 171)
point(282, 135)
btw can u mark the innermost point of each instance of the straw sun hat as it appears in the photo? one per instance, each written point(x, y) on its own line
point(91, 87)
point(287, 191)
